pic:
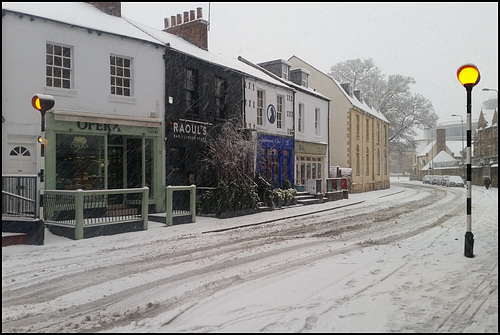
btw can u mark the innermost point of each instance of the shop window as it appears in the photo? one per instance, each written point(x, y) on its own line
point(79, 162)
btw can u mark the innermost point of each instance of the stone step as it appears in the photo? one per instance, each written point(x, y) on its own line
point(14, 239)
point(308, 201)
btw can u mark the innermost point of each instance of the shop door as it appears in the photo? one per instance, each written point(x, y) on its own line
point(134, 162)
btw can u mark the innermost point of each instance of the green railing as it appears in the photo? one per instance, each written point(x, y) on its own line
point(80, 209)
point(181, 208)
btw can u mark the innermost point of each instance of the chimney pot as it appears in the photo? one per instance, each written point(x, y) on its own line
point(165, 23)
point(198, 12)
point(179, 19)
point(191, 15)
point(186, 17)
point(173, 21)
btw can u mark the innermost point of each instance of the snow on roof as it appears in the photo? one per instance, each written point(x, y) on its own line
point(353, 100)
point(442, 159)
point(425, 150)
point(455, 147)
point(361, 105)
point(88, 16)
point(182, 45)
point(79, 14)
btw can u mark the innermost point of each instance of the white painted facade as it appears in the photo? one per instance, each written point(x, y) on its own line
point(270, 97)
point(92, 36)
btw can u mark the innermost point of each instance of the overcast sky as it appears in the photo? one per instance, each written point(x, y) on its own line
point(426, 41)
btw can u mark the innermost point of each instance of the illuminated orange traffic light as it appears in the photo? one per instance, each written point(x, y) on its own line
point(42, 102)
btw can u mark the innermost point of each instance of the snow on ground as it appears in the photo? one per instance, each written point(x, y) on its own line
point(423, 283)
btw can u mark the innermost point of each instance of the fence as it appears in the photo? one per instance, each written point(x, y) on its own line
point(181, 205)
point(82, 210)
point(19, 195)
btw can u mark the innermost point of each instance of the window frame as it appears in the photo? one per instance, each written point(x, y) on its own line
point(120, 72)
point(260, 106)
point(60, 65)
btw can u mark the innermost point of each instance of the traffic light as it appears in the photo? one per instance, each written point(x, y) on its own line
point(42, 102)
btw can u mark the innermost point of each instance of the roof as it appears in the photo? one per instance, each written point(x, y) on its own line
point(88, 16)
point(442, 159)
point(79, 14)
point(353, 100)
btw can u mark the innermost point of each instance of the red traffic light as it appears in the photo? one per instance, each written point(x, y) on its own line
point(42, 102)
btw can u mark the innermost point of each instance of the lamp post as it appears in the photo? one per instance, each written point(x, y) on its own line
point(461, 151)
point(469, 76)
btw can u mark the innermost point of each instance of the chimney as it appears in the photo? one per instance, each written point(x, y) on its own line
point(111, 8)
point(347, 88)
point(440, 140)
point(193, 31)
point(357, 94)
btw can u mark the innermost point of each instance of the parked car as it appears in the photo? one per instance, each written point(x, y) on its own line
point(444, 181)
point(427, 179)
point(455, 181)
point(436, 180)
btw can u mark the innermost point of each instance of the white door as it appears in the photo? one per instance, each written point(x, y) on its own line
point(22, 159)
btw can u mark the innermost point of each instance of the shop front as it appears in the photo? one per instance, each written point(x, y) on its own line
point(100, 152)
point(310, 166)
point(275, 160)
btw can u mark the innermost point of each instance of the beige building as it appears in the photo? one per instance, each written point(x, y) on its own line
point(358, 134)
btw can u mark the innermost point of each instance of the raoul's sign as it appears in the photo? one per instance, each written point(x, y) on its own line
point(189, 130)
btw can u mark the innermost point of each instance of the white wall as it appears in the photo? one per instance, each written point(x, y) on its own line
point(270, 97)
point(23, 75)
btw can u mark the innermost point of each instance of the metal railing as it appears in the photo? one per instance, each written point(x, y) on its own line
point(80, 209)
point(180, 205)
point(19, 195)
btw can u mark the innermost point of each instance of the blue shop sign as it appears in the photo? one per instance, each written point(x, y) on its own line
point(269, 141)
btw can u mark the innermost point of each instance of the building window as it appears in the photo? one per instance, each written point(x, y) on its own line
point(220, 98)
point(279, 112)
point(300, 121)
point(58, 69)
point(260, 107)
point(284, 71)
point(357, 161)
point(304, 81)
point(357, 126)
point(316, 121)
point(378, 161)
point(190, 86)
point(378, 133)
point(367, 161)
point(20, 151)
point(367, 130)
point(120, 71)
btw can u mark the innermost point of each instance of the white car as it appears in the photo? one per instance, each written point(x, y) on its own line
point(455, 181)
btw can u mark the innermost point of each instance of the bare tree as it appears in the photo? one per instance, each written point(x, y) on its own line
point(230, 153)
point(405, 111)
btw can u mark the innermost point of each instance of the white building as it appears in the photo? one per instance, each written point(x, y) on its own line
point(106, 77)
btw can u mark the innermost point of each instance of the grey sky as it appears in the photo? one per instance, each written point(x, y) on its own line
point(427, 41)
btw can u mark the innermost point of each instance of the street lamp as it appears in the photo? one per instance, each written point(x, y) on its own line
point(461, 151)
point(469, 76)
